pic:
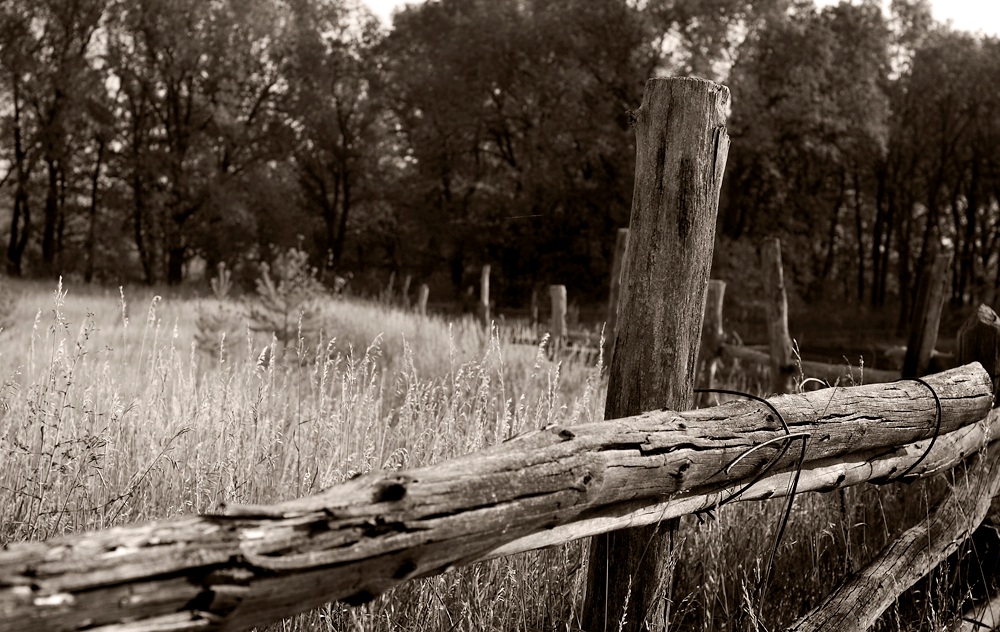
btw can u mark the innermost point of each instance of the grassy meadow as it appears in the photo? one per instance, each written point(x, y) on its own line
point(121, 407)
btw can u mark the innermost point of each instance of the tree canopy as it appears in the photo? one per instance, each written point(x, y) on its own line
point(139, 136)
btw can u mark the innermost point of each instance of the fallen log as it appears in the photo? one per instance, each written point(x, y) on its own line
point(843, 374)
point(351, 542)
point(857, 603)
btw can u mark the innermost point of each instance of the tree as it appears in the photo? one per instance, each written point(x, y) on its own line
point(810, 119)
point(335, 71)
point(199, 85)
point(514, 121)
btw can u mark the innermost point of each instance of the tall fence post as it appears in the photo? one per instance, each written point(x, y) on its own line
point(621, 241)
point(927, 316)
point(681, 150)
point(782, 367)
point(422, 296)
point(484, 295)
point(557, 321)
point(712, 336)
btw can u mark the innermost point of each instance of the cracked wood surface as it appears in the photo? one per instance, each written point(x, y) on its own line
point(873, 466)
point(355, 540)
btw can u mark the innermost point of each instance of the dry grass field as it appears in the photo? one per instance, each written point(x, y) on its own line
point(112, 412)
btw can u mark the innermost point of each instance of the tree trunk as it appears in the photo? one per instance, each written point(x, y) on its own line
point(50, 216)
point(95, 177)
point(905, 264)
point(20, 222)
point(681, 150)
point(139, 227)
point(878, 233)
point(20, 225)
point(831, 249)
point(345, 210)
point(859, 230)
point(176, 256)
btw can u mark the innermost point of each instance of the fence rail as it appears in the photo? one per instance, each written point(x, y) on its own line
point(354, 541)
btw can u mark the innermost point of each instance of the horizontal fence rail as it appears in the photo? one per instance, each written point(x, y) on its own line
point(256, 564)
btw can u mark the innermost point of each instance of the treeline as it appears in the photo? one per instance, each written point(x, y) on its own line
point(870, 144)
point(139, 136)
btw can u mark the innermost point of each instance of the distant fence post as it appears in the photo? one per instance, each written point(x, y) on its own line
point(404, 297)
point(422, 295)
point(712, 335)
point(484, 295)
point(681, 150)
point(557, 322)
point(390, 286)
point(782, 367)
point(927, 316)
point(621, 241)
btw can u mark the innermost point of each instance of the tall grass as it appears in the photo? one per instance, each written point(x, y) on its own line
point(111, 413)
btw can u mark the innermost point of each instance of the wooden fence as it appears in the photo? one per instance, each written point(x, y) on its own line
point(255, 564)
point(354, 541)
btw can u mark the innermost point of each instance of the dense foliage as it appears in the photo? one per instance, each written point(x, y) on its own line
point(140, 137)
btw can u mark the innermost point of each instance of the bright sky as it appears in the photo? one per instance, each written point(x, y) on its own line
point(966, 15)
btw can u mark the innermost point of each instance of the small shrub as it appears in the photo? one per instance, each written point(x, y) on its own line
point(8, 303)
point(287, 303)
point(212, 323)
point(222, 282)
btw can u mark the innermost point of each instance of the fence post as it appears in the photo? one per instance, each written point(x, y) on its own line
point(681, 149)
point(404, 298)
point(389, 286)
point(782, 367)
point(712, 335)
point(422, 295)
point(484, 295)
point(979, 341)
point(927, 316)
point(621, 241)
point(557, 322)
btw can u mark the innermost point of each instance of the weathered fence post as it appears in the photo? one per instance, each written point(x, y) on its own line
point(422, 296)
point(712, 336)
point(621, 240)
point(681, 150)
point(557, 321)
point(782, 366)
point(404, 297)
point(927, 316)
point(484, 295)
point(979, 341)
